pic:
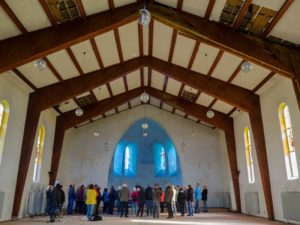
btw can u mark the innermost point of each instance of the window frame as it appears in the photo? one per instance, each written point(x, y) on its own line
point(3, 125)
point(249, 157)
point(39, 154)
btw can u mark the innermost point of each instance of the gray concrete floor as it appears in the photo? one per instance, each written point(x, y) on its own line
point(217, 217)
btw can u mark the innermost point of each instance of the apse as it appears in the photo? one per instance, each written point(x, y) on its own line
point(145, 156)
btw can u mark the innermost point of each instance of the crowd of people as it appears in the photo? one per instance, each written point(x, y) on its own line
point(87, 200)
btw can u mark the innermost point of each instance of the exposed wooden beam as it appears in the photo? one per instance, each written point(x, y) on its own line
point(109, 89)
point(172, 46)
point(141, 39)
point(215, 63)
point(53, 70)
point(47, 10)
point(81, 8)
point(151, 27)
point(213, 34)
point(23, 78)
point(209, 9)
point(235, 73)
point(111, 5)
point(179, 5)
point(181, 89)
point(97, 53)
point(263, 82)
point(231, 111)
point(119, 47)
point(125, 82)
point(26, 48)
point(277, 17)
point(13, 17)
point(194, 54)
point(241, 14)
point(149, 76)
point(212, 103)
point(74, 60)
point(142, 77)
point(23, 49)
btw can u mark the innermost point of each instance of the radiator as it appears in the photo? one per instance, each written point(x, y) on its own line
point(225, 200)
point(35, 202)
point(290, 205)
point(252, 202)
point(2, 195)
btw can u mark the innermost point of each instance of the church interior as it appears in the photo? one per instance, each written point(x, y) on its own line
point(144, 92)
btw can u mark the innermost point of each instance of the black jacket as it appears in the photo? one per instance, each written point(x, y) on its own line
point(141, 197)
point(181, 197)
point(148, 193)
point(204, 195)
point(190, 195)
point(55, 198)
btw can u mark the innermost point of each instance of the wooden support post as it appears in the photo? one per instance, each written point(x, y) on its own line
point(31, 124)
point(261, 152)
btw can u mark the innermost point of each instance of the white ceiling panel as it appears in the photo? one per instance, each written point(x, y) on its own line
point(68, 105)
point(288, 27)
point(157, 80)
point(192, 118)
point(63, 64)
point(145, 76)
point(38, 78)
point(83, 94)
point(162, 36)
point(226, 66)
point(267, 86)
point(204, 99)
point(205, 58)
point(119, 3)
point(171, 3)
point(167, 107)
point(101, 92)
point(179, 112)
point(136, 101)
point(251, 79)
point(85, 56)
point(217, 10)
point(94, 6)
point(146, 39)
point(134, 80)
point(190, 89)
point(274, 5)
point(108, 49)
point(173, 87)
point(123, 107)
point(206, 124)
point(222, 107)
point(7, 27)
point(154, 101)
point(110, 112)
point(30, 13)
point(183, 50)
point(129, 37)
point(98, 117)
point(117, 86)
point(197, 7)
point(82, 124)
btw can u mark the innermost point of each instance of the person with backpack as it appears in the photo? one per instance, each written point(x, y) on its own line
point(91, 200)
point(181, 199)
point(134, 198)
point(54, 201)
point(148, 197)
point(190, 199)
point(168, 200)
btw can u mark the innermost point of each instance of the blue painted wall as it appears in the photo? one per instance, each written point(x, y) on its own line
point(146, 166)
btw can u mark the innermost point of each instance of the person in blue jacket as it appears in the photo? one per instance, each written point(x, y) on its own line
point(71, 199)
point(197, 192)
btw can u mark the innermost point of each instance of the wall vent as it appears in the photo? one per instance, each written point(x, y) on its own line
point(225, 200)
point(63, 10)
point(290, 205)
point(86, 100)
point(35, 203)
point(252, 202)
point(188, 96)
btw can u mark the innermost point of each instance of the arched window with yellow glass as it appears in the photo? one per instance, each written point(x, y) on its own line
point(249, 159)
point(288, 142)
point(39, 154)
point(4, 113)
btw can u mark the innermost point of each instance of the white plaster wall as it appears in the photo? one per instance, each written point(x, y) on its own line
point(281, 91)
point(16, 94)
point(85, 161)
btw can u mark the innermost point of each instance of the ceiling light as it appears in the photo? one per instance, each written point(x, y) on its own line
point(145, 134)
point(145, 97)
point(145, 125)
point(40, 64)
point(210, 114)
point(145, 17)
point(246, 66)
point(79, 112)
point(96, 134)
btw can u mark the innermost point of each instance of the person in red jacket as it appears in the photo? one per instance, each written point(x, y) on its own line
point(134, 199)
point(162, 200)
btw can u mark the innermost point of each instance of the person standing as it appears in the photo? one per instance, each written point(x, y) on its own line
point(111, 199)
point(98, 190)
point(141, 201)
point(62, 200)
point(190, 199)
point(134, 199)
point(148, 197)
point(48, 193)
point(71, 198)
point(55, 198)
point(162, 199)
point(124, 197)
point(204, 198)
point(197, 198)
point(181, 199)
point(174, 198)
point(91, 200)
point(105, 200)
point(168, 201)
point(156, 194)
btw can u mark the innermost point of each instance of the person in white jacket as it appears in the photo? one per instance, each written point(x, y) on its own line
point(174, 199)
